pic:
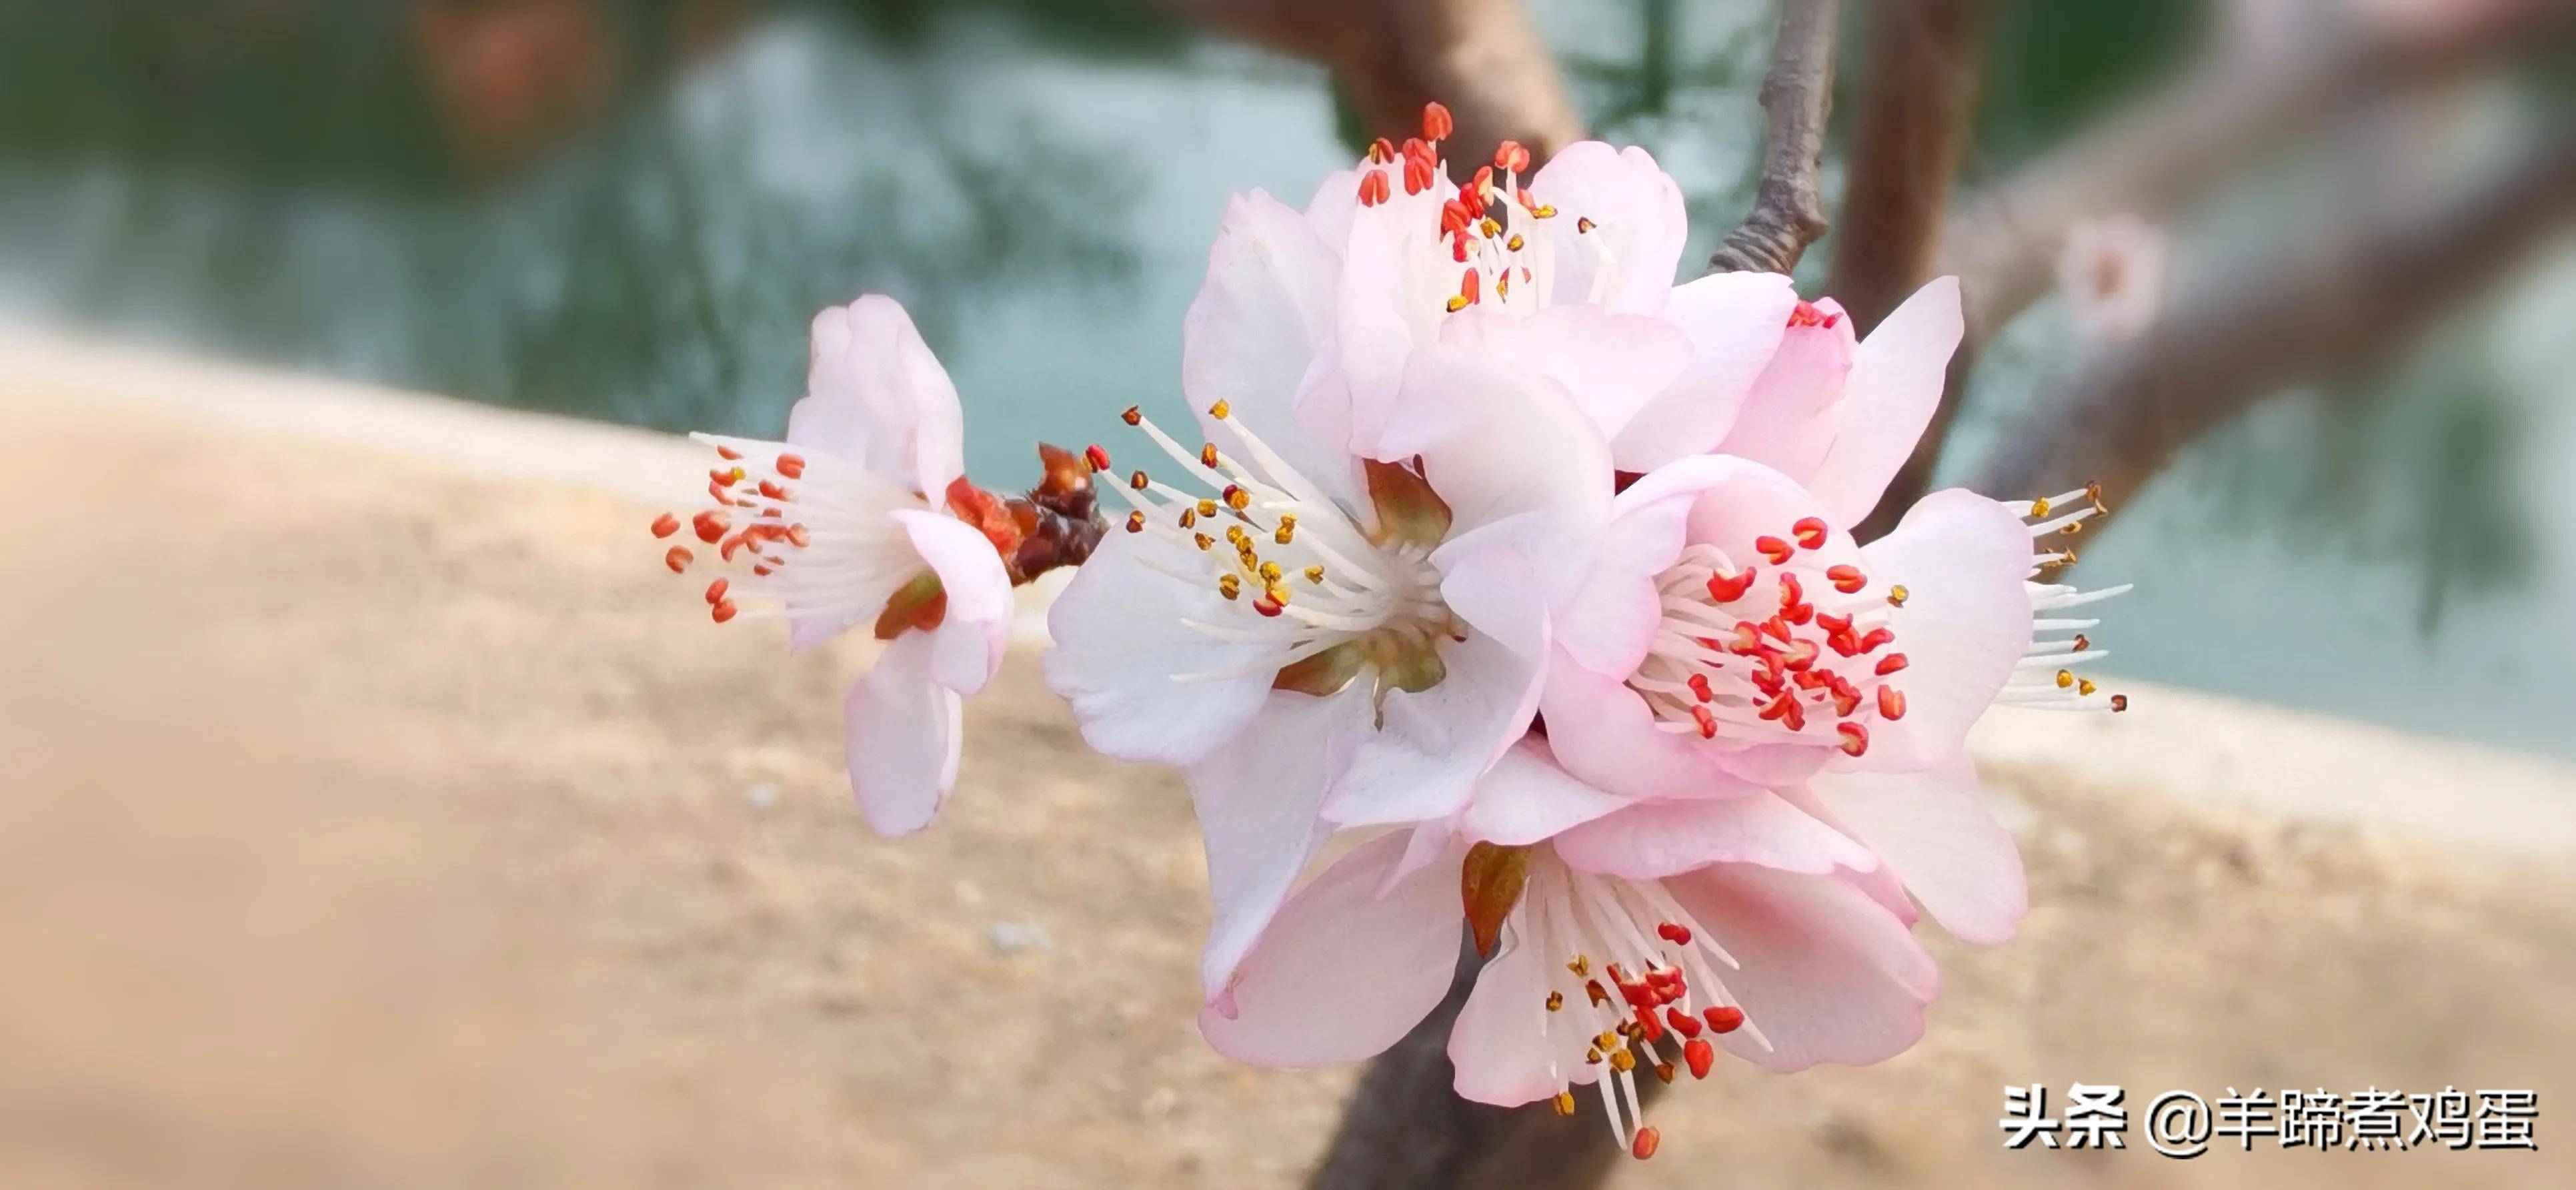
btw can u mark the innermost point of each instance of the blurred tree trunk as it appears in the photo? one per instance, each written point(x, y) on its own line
point(1481, 58)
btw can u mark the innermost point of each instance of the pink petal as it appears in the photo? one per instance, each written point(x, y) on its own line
point(1827, 975)
point(1336, 201)
point(1423, 760)
point(1652, 840)
point(967, 646)
point(1525, 798)
point(1257, 801)
point(1496, 442)
point(1896, 380)
point(1881, 883)
point(1252, 333)
point(1750, 501)
point(1120, 642)
point(1640, 221)
point(1342, 972)
point(1965, 623)
point(1789, 419)
point(1602, 732)
point(1609, 621)
point(1609, 363)
point(1499, 1046)
point(876, 395)
point(1735, 322)
point(1933, 830)
point(905, 731)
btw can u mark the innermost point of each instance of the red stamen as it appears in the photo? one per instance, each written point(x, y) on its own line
point(1700, 1055)
point(1699, 715)
point(1891, 703)
point(1855, 738)
point(1847, 579)
point(1674, 932)
point(1417, 175)
point(1510, 157)
point(1644, 1145)
point(1810, 531)
point(1890, 664)
point(791, 466)
point(716, 591)
point(1790, 591)
point(678, 558)
point(665, 525)
point(1699, 688)
point(723, 611)
point(1724, 1019)
point(1774, 548)
point(1094, 455)
point(1725, 589)
point(1436, 124)
point(1875, 638)
point(710, 525)
point(1682, 1022)
point(1381, 150)
point(728, 453)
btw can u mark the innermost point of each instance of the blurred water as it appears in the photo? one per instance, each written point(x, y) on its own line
point(1046, 215)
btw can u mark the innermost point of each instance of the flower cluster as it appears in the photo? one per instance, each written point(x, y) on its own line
point(1505, 553)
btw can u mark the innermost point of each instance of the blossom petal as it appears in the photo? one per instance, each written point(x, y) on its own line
point(1966, 621)
point(1603, 733)
point(1122, 650)
point(1934, 831)
point(1252, 333)
point(1609, 622)
point(1653, 840)
point(1735, 322)
point(905, 731)
point(1611, 364)
point(1827, 975)
point(967, 646)
point(1257, 801)
point(1638, 218)
point(875, 394)
point(1527, 797)
point(1896, 379)
point(1499, 1046)
point(1496, 442)
point(1343, 971)
point(1430, 746)
point(1789, 419)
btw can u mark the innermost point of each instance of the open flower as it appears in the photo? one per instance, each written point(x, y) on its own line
point(863, 516)
point(1610, 963)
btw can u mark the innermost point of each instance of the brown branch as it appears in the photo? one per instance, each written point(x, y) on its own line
point(1797, 96)
point(1918, 100)
point(2172, 146)
point(1482, 58)
point(2339, 307)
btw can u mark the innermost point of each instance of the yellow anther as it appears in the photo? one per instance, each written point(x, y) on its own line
point(1581, 966)
point(1513, 243)
point(1269, 572)
point(1238, 499)
point(2039, 507)
point(2072, 528)
point(1315, 574)
point(2065, 678)
point(1542, 211)
point(1555, 1001)
point(1278, 594)
point(1591, 1057)
point(1896, 595)
point(1220, 411)
point(1582, 225)
point(1489, 227)
point(1203, 539)
point(1138, 481)
point(1285, 534)
point(1287, 520)
point(1189, 517)
point(739, 474)
point(1665, 1071)
point(1207, 508)
point(1565, 1103)
point(1207, 455)
point(2084, 686)
point(1503, 285)
point(1234, 535)
point(1608, 1040)
point(1133, 416)
point(2093, 492)
point(1623, 1060)
point(1136, 521)
point(1457, 302)
point(1228, 585)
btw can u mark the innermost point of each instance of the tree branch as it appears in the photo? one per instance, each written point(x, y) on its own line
point(1482, 58)
point(1918, 101)
point(1797, 95)
point(2340, 306)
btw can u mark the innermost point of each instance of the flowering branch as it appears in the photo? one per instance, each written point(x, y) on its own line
point(2342, 304)
point(1797, 94)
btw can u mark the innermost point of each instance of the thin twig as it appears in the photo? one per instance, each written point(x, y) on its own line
point(1797, 95)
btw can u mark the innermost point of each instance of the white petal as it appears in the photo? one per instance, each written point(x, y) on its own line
point(1826, 974)
point(876, 395)
point(1896, 380)
point(1934, 831)
point(1734, 322)
point(904, 734)
point(1652, 840)
point(967, 645)
point(1526, 798)
point(1120, 641)
point(1257, 801)
point(1966, 620)
point(1253, 332)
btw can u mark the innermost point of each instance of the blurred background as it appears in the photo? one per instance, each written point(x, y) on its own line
point(2291, 277)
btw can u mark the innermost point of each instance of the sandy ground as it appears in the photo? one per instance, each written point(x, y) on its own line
point(371, 820)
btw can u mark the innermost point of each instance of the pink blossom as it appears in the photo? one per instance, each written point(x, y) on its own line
point(1759, 936)
point(863, 516)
